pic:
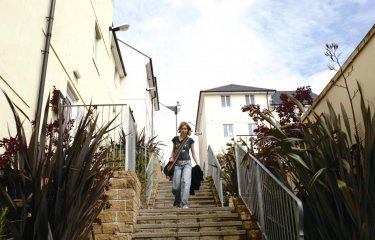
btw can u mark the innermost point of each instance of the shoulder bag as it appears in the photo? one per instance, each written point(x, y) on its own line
point(169, 168)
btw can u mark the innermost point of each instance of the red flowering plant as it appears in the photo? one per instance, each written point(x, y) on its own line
point(289, 113)
point(55, 188)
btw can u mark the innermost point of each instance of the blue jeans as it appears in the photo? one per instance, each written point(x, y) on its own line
point(181, 183)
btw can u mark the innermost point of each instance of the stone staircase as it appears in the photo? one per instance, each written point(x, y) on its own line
point(202, 220)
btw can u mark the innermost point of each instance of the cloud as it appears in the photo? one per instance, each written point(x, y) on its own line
point(197, 45)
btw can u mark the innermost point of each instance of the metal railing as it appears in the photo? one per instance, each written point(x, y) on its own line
point(247, 139)
point(150, 178)
point(214, 170)
point(278, 211)
point(122, 138)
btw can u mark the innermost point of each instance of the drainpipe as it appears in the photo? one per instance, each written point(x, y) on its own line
point(43, 73)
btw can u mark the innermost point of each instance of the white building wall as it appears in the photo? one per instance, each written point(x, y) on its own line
point(72, 42)
point(214, 116)
point(134, 91)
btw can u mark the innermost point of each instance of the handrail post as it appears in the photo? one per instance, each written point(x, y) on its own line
point(260, 197)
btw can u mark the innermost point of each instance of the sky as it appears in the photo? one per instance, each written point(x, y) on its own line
point(197, 45)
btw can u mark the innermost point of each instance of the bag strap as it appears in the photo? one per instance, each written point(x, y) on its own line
point(179, 149)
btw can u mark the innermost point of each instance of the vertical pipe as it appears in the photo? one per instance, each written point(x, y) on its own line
point(43, 76)
point(176, 121)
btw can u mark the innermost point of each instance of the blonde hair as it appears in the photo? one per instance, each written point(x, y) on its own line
point(187, 126)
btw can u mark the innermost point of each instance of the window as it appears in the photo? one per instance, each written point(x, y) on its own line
point(228, 130)
point(249, 99)
point(70, 112)
point(225, 101)
point(252, 127)
point(97, 38)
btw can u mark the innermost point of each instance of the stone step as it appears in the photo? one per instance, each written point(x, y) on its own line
point(207, 185)
point(204, 235)
point(175, 218)
point(191, 197)
point(191, 205)
point(191, 200)
point(196, 193)
point(195, 196)
point(169, 189)
point(188, 210)
point(203, 220)
point(175, 226)
point(189, 227)
point(170, 200)
point(169, 183)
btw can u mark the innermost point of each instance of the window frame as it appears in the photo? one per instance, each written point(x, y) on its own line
point(225, 101)
point(249, 99)
point(95, 47)
point(251, 127)
point(228, 130)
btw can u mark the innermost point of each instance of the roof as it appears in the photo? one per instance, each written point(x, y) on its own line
point(225, 89)
point(238, 88)
point(276, 96)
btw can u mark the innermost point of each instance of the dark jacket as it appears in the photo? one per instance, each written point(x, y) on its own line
point(196, 179)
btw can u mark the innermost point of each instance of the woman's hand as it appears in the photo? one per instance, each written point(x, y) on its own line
point(171, 159)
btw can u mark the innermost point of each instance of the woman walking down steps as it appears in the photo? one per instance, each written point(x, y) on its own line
point(182, 172)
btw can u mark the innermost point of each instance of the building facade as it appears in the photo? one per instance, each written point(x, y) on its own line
point(220, 119)
point(68, 45)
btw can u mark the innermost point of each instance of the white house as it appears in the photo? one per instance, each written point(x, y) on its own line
point(219, 115)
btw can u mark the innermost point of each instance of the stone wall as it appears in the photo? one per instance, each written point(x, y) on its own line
point(118, 221)
point(214, 191)
point(248, 221)
point(157, 176)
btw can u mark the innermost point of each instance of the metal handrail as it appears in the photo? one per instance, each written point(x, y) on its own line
point(150, 178)
point(278, 211)
point(123, 150)
point(214, 170)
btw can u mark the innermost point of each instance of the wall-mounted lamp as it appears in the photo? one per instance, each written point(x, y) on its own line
point(151, 89)
point(121, 27)
point(176, 109)
point(117, 54)
point(77, 74)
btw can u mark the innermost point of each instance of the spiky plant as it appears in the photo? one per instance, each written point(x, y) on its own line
point(227, 161)
point(332, 176)
point(330, 170)
point(55, 190)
